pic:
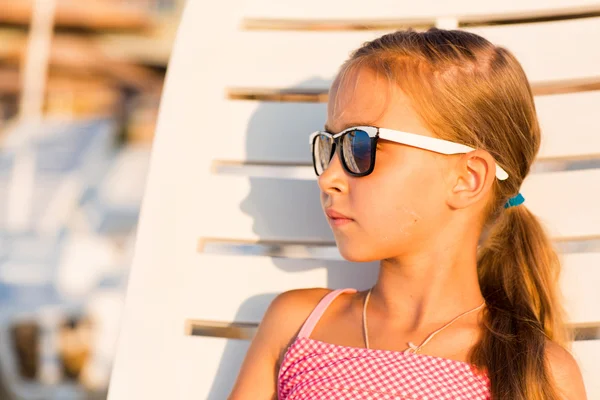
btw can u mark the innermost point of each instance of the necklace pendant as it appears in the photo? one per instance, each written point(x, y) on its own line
point(412, 348)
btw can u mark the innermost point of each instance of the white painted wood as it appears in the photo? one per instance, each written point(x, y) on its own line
point(268, 132)
point(149, 349)
point(569, 125)
point(580, 280)
point(277, 132)
point(258, 279)
point(209, 370)
point(403, 10)
point(289, 210)
point(587, 354)
point(566, 202)
point(303, 59)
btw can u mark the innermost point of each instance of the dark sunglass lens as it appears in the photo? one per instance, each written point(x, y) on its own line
point(322, 153)
point(356, 147)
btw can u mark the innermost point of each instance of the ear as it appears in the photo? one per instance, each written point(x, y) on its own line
point(473, 177)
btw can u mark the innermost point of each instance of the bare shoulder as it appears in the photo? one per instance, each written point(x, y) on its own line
point(283, 319)
point(288, 311)
point(565, 371)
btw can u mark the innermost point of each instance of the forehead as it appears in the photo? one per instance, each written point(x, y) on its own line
point(364, 97)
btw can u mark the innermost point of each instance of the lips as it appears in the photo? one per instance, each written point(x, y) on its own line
point(336, 218)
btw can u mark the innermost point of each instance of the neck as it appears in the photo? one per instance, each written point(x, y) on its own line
point(427, 289)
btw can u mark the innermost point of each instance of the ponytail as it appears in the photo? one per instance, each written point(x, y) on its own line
point(518, 273)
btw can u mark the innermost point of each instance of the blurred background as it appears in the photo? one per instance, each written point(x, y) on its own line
point(80, 84)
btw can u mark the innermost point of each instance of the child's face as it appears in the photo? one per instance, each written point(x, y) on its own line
point(400, 206)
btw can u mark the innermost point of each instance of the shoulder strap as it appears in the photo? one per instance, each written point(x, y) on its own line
point(316, 314)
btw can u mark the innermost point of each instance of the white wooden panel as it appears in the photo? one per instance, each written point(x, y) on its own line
point(587, 354)
point(289, 210)
point(207, 367)
point(407, 10)
point(548, 51)
point(258, 208)
point(271, 132)
point(147, 358)
point(579, 283)
point(259, 279)
point(277, 132)
point(568, 203)
point(210, 366)
point(570, 128)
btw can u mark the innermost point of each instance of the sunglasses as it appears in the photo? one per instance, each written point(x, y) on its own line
point(357, 147)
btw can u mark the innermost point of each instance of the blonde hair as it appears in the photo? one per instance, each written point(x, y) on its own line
point(467, 90)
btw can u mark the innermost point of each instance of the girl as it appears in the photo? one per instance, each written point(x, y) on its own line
point(429, 136)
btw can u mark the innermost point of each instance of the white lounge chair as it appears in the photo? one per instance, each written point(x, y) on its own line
point(231, 215)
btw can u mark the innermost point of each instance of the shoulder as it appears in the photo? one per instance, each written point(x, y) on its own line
point(283, 319)
point(287, 312)
point(298, 300)
point(565, 371)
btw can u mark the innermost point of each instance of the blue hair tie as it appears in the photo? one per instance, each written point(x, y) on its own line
point(515, 201)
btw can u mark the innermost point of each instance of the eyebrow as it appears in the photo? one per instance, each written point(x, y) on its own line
point(348, 125)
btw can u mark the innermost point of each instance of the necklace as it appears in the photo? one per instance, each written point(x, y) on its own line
point(411, 346)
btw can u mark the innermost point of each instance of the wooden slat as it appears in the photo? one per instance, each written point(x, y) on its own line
point(402, 23)
point(72, 13)
point(306, 59)
point(11, 44)
point(9, 81)
point(289, 210)
point(247, 330)
point(88, 57)
point(145, 49)
point(399, 11)
point(273, 132)
point(213, 378)
point(316, 95)
point(152, 47)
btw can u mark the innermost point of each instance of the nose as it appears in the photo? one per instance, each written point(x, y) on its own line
point(334, 178)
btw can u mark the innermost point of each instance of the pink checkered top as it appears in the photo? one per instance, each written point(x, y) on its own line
point(312, 369)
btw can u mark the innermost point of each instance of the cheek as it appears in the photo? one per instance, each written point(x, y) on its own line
point(394, 211)
point(403, 207)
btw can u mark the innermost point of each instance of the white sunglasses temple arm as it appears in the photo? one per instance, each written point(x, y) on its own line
point(433, 144)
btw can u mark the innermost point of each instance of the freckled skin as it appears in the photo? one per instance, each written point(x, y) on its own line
point(401, 204)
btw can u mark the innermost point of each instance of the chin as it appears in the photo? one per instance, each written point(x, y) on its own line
point(356, 253)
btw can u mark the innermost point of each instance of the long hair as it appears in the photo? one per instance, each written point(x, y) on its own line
point(470, 91)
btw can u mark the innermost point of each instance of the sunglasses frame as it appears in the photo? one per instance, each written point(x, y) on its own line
point(410, 139)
